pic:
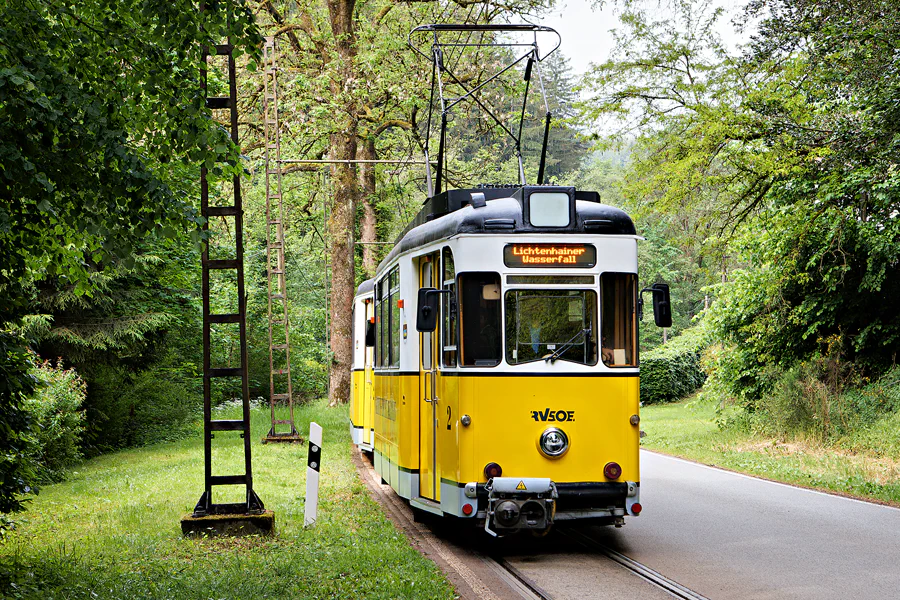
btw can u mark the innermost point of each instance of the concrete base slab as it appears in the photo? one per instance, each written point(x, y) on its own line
point(230, 525)
point(283, 438)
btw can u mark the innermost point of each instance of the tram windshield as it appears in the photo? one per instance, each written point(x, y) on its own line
point(557, 324)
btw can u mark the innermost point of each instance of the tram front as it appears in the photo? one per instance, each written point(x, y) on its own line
point(538, 363)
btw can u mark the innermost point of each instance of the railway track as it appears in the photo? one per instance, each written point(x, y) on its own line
point(493, 576)
point(644, 572)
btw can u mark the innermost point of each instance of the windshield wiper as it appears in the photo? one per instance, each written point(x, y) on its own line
point(571, 342)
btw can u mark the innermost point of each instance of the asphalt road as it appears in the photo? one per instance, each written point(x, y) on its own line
point(726, 535)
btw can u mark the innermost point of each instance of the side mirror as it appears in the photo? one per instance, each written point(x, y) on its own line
point(370, 333)
point(662, 305)
point(427, 311)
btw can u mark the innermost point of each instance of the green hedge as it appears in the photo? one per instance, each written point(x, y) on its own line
point(672, 371)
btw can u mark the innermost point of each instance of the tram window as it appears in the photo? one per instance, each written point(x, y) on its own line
point(618, 347)
point(383, 323)
point(394, 278)
point(540, 323)
point(480, 319)
point(451, 315)
point(549, 209)
point(377, 325)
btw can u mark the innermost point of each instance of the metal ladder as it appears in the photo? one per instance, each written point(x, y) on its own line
point(279, 325)
point(206, 506)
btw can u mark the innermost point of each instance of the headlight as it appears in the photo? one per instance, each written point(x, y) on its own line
point(554, 442)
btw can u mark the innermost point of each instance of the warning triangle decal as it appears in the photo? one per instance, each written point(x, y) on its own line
point(521, 486)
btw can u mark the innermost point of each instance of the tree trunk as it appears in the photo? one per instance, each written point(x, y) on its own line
point(340, 228)
point(366, 151)
point(342, 220)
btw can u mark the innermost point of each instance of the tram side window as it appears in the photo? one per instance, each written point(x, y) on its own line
point(382, 321)
point(480, 319)
point(619, 319)
point(377, 349)
point(394, 278)
point(451, 315)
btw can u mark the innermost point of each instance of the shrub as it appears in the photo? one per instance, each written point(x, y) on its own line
point(163, 407)
point(17, 476)
point(58, 421)
point(807, 401)
point(135, 409)
point(672, 371)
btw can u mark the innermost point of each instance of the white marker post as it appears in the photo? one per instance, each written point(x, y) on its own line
point(313, 463)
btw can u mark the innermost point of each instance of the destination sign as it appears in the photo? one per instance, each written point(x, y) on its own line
point(550, 255)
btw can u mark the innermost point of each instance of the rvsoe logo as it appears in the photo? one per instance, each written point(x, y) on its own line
point(553, 416)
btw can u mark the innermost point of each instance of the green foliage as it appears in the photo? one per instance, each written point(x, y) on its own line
point(806, 403)
point(127, 408)
point(56, 412)
point(135, 339)
point(102, 126)
point(17, 382)
point(90, 164)
point(782, 158)
point(672, 371)
point(820, 279)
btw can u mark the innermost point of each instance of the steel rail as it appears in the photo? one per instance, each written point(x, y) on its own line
point(644, 572)
point(532, 589)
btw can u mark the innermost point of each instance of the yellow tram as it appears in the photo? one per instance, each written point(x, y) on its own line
point(362, 406)
point(496, 365)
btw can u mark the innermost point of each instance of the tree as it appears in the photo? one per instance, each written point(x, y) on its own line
point(788, 154)
point(357, 82)
point(102, 125)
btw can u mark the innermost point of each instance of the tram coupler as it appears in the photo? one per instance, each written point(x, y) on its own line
point(515, 504)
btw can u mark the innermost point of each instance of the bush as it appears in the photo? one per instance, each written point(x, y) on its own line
point(808, 402)
point(58, 421)
point(135, 409)
point(672, 371)
point(163, 408)
point(17, 476)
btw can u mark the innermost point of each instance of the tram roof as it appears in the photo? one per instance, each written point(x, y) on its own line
point(451, 212)
point(365, 287)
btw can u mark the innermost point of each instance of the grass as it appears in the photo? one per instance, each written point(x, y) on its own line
point(112, 530)
point(865, 464)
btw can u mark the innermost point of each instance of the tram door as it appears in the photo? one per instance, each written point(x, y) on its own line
point(368, 386)
point(429, 271)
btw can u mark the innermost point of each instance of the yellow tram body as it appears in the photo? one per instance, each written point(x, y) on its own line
point(519, 408)
point(362, 403)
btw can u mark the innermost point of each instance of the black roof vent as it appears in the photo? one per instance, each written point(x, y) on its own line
point(499, 223)
point(594, 224)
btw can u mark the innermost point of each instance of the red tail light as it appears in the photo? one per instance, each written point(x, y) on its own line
point(492, 470)
point(636, 508)
point(612, 470)
point(467, 509)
